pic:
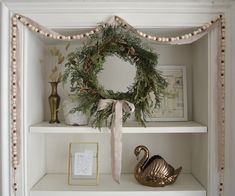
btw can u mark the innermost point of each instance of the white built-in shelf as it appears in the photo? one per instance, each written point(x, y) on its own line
point(129, 127)
point(57, 185)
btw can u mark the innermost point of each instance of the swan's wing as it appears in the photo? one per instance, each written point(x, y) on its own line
point(157, 169)
point(173, 178)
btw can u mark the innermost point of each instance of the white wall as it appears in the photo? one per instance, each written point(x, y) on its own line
point(200, 80)
point(34, 95)
point(122, 77)
point(162, 144)
point(57, 147)
point(200, 108)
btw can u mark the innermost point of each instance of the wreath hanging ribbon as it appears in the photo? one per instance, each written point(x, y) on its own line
point(118, 106)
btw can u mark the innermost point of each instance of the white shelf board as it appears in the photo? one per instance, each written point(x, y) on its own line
point(129, 127)
point(57, 185)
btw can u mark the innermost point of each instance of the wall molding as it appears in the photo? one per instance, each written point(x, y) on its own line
point(4, 100)
point(115, 6)
point(88, 14)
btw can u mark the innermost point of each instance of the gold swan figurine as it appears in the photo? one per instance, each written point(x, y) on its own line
point(154, 172)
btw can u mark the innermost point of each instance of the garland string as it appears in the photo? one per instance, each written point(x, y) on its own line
point(15, 100)
point(221, 111)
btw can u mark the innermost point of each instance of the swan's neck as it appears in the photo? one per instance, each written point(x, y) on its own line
point(143, 161)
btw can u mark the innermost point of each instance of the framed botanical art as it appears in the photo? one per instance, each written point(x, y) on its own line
point(83, 163)
point(173, 106)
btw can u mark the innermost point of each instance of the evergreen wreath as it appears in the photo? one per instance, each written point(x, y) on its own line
point(86, 62)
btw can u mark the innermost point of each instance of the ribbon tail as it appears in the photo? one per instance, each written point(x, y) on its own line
point(116, 142)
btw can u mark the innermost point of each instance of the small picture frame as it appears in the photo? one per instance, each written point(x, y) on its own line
point(173, 106)
point(83, 163)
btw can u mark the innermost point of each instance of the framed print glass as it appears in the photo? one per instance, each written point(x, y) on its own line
point(173, 106)
point(83, 163)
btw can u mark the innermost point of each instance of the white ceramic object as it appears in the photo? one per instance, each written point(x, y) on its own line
point(76, 118)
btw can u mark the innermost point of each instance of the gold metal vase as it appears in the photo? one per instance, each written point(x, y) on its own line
point(54, 102)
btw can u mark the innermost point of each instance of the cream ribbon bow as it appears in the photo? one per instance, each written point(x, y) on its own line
point(116, 132)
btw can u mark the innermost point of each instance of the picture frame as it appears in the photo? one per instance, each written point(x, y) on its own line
point(173, 106)
point(83, 166)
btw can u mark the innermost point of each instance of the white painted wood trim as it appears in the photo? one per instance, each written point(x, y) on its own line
point(116, 6)
point(229, 101)
point(202, 9)
point(213, 175)
point(4, 101)
point(129, 127)
point(88, 14)
point(24, 144)
point(231, 171)
point(213, 139)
